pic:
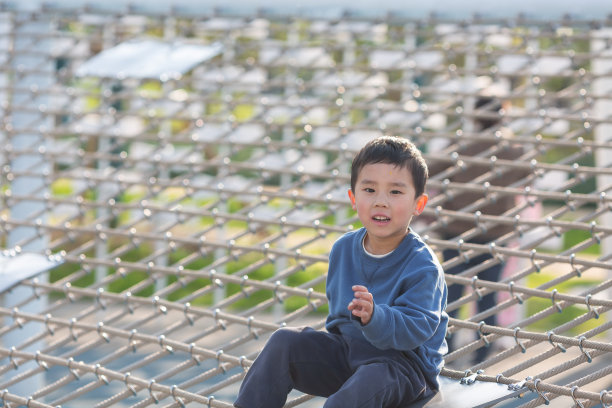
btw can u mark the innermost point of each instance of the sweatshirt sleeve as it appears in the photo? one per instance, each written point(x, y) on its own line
point(413, 317)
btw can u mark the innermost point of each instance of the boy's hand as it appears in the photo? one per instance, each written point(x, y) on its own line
point(362, 304)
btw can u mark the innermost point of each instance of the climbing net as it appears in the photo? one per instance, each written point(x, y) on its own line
point(189, 214)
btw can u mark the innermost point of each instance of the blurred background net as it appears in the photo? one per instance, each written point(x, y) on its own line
point(184, 175)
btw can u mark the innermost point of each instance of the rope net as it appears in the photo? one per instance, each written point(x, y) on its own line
point(194, 211)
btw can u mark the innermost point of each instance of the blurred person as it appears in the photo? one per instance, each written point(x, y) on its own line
point(491, 104)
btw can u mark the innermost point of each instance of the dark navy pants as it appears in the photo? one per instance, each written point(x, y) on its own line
point(349, 372)
point(455, 291)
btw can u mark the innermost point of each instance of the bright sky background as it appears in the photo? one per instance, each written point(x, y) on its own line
point(548, 9)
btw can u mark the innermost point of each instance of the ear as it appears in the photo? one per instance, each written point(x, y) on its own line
point(352, 198)
point(420, 204)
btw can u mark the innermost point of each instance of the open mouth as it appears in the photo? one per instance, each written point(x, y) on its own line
point(381, 218)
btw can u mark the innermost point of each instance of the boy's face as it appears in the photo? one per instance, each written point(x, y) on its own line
point(385, 201)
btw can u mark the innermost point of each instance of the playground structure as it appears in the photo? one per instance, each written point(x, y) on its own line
point(171, 184)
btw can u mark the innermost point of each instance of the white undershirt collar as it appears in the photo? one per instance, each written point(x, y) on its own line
point(373, 255)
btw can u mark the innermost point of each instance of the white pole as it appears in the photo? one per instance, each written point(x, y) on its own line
point(602, 87)
point(33, 76)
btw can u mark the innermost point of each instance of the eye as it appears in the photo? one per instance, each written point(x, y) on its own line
point(368, 190)
point(396, 192)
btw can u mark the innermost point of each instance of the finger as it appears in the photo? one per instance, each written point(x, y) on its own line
point(354, 304)
point(359, 288)
point(359, 312)
point(363, 295)
point(360, 304)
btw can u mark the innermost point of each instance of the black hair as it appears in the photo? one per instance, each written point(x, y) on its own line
point(491, 106)
point(392, 150)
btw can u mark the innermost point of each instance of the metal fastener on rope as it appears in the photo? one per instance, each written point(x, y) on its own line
point(219, 365)
point(210, 400)
point(67, 292)
point(587, 300)
point(518, 297)
point(533, 262)
point(517, 219)
point(552, 298)
point(602, 394)
point(526, 193)
point(185, 310)
point(131, 341)
point(161, 338)
point(593, 234)
point(310, 302)
point(249, 322)
point(127, 298)
point(71, 328)
point(550, 334)
point(460, 243)
point(195, 358)
point(12, 359)
point(493, 161)
point(474, 279)
point(586, 353)
point(519, 385)
point(241, 362)
point(176, 398)
point(549, 221)
point(276, 295)
point(492, 249)
point(216, 282)
point(518, 343)
point(470, 377)
point(49, 328)
point(41, 363)
point(16, 319)
point(161, 308)
point(535, 385)
point(572, 392)
point(572, 258)
point(219, 322)
point(72, 370)
point(485, 188)
point(99, 299)
point(568, 200)
point(498, 377)
point(128, 385)
point(34, 287)
point(101, 377)
point(101, 334)
point(482, 335)
point(151, 391)
point(243, 282)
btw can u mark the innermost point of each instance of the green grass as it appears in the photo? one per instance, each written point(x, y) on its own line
point(535, 305)
point(264, 272)
point(62, 187)
point(574, 237)
point(293, 303)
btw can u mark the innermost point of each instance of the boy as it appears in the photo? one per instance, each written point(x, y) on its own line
point(386, 324)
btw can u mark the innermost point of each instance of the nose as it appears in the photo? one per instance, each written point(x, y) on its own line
point(381, 200)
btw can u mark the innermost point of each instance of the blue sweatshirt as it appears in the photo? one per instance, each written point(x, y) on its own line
point(409, 298)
